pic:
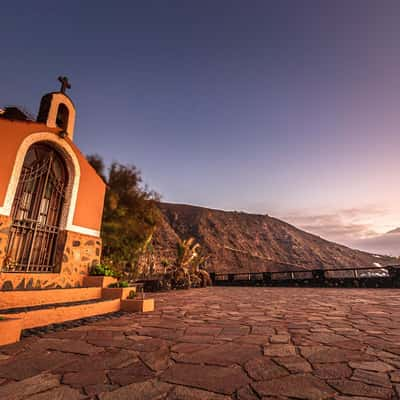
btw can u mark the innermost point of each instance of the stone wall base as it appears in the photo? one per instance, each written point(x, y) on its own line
point(76, 253)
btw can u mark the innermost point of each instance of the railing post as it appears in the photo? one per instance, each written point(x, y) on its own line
point(318, 276)
point(212, 277)
point(394, 274)
point(267, 277)
point(231, 277)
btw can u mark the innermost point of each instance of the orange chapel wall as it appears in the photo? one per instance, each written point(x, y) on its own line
point(79, 245)
point(90, 197)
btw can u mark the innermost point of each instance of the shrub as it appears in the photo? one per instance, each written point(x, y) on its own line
point(188, 270)
point(119, 284)
point(132, 295)
point(103, 270)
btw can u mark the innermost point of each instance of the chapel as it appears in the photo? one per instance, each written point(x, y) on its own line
point(51, 199)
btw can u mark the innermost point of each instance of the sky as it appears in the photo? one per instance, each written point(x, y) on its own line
point(287, 108)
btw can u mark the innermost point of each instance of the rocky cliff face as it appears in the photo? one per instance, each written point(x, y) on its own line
point(241, 242)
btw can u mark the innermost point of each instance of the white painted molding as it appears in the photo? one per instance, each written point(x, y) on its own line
point(84, 231)
point(74, 172)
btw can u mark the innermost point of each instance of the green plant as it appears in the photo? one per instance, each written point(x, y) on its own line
point(130, 216)
point(164, 263)
point(188, 270)
point(103, 270)
point(119, 284)
point(131, 295)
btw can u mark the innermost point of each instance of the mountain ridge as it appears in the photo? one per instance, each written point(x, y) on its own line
point(238, 241)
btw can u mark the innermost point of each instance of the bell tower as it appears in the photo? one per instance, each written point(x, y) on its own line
point(57, 110)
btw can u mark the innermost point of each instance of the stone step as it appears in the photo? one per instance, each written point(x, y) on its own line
point(33, 317)
point(32, 298)
point(21, 310)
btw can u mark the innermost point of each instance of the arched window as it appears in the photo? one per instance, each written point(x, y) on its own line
point(36, 211)
point(62, 116)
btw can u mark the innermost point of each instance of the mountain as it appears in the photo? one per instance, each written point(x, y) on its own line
point(242, 242)
point(397, 230)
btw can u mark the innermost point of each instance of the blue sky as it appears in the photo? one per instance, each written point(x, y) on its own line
point(282, 107)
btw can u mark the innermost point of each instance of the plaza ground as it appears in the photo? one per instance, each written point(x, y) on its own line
point(242, 343)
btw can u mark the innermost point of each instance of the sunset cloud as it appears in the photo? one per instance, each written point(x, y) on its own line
point(363, 228)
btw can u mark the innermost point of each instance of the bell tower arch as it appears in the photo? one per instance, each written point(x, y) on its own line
point(57, 110)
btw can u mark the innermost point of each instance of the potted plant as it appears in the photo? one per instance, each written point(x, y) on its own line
point(137, 303)
point(118, 290)
point(10, 329)
point(100, 275)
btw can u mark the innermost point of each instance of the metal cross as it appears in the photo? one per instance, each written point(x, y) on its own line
point(64, 83)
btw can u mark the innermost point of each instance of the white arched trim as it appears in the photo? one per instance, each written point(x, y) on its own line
point(72, 160)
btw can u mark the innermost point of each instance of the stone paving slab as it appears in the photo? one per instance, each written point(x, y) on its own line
point(220, 343)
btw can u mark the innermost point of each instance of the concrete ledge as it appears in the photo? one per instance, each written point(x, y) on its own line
point(10, 330)
point(98, 281)
point(29, 298)
point(137, 305)
point(35, 318)
point(117, 293)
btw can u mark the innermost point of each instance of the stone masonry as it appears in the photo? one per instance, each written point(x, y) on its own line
point(221, 344)
point(76, 254)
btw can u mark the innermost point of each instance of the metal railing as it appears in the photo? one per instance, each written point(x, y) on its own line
point(385, 276)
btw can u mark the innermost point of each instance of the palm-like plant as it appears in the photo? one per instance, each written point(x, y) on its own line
point(199, 276)
point(187, 251)
point(187, 271)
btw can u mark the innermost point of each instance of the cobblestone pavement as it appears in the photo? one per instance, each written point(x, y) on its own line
point(219, 344)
